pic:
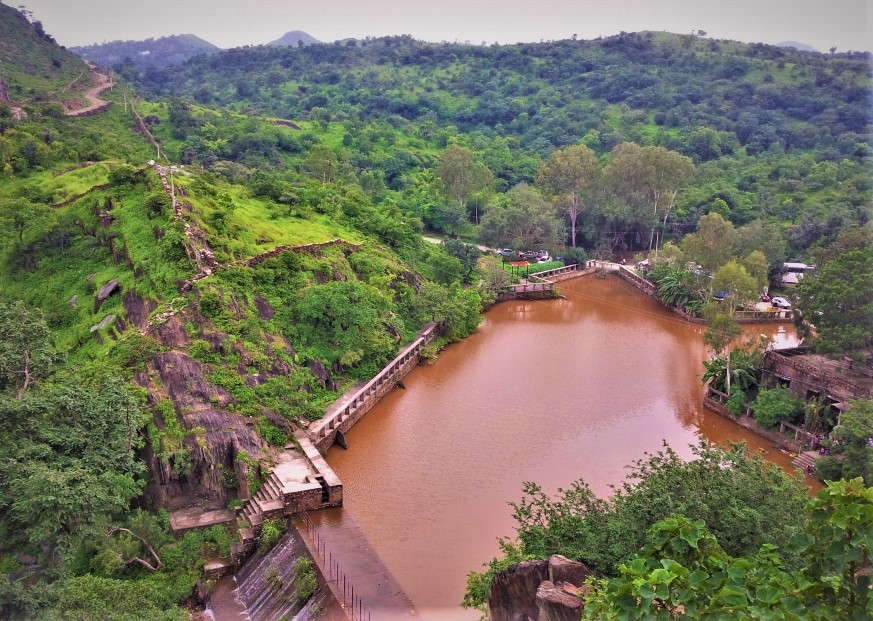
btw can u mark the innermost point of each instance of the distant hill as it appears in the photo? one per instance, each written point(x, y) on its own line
point(293, 39)
point(172, 50)
point(31, 63)
point(800, 47)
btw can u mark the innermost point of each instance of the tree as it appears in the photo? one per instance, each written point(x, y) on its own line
point(745, 501)
point(23, 222)
point(733, 279)
point(70, 457)
point(757, 267)
point(722, 329)
point(321, 163)
point(649, 175)
point(525, 221)
point(26, 351)
point(712, 245)
point(774, 405)
point(852, 455)
point(461, 176)
point(836, 298)
point(683, 572)
point(566, 176)
point(467, 254)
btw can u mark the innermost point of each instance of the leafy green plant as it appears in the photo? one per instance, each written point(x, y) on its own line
point(773, 405)
point(271, 532)
point(304, 579)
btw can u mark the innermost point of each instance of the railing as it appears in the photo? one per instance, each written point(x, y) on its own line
point(811, 438)
point(352, 603)
point(330, 423)
point(639, 281)
point(764, 314)
point(558, 271)
point(529, 287)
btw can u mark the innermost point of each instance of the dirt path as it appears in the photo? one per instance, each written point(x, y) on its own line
point(92, 94)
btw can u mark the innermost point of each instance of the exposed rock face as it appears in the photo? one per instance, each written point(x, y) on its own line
point(542, 590)
point(4, 91)
point(221, 436)
point(265, 311)
point(557, 603)
point(322, 374)
point(172, 333)
point(138, 309)
point(562, 569)
point(513, 592)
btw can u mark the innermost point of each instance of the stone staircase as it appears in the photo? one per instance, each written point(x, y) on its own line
point(267, 503)
point(806, 461)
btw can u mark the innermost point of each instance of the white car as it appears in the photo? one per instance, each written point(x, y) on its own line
point(778, 302)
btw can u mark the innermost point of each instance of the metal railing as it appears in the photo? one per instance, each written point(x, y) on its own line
point(352, 602)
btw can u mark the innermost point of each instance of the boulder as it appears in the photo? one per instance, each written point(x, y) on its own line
point(106, 321)
point(562, 569)
point(105, 291)
point(557, 603)
point(513, 592)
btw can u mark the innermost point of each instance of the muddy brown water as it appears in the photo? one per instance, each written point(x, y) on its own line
point(546, 391)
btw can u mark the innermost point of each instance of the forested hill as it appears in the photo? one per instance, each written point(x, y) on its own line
point(775, 133)
point(151, 52)
point(32, 65)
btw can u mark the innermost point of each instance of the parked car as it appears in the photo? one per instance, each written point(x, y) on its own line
point(544, 259)
point(506, 252)
point(778, 302)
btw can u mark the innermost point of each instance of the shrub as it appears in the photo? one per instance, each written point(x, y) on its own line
point(271, 533)
point(776, 404)
point(304, 579)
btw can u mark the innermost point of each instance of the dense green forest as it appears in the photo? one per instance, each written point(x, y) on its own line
point(150, 346)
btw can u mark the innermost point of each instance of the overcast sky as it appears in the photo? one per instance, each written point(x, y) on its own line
point(822, 24)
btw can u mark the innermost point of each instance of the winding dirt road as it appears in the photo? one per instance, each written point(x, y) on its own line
point(92, 95)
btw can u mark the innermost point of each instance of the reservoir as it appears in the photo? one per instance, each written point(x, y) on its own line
point(546, 391)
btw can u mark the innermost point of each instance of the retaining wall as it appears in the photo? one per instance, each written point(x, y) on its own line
point(749, 423)
point(342, 418)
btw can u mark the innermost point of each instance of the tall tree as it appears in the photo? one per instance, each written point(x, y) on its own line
point(566, 176)
point(836, 297)
point(461, 176)
point(712, 245)
point(526, 220)
point(651, 176)
point(26, 352)
point(722, 329)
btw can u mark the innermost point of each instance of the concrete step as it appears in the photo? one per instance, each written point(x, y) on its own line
point(273, 509)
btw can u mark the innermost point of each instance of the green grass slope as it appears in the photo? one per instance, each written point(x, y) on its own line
point(33, 66)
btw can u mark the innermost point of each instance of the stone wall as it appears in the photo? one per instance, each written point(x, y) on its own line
point(323, 433)
point(747, 422)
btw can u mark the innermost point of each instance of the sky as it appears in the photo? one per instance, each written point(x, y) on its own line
point(845, 24)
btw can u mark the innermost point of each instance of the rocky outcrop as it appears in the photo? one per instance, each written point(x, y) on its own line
point(138, 309)
point(513, 592)
point(559, 602)
point(217, 438)
point(265, 311)
point(542, 590)
point(105, 291)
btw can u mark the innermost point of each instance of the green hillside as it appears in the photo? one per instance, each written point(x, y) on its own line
point(171, 317)
point(32, 65)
